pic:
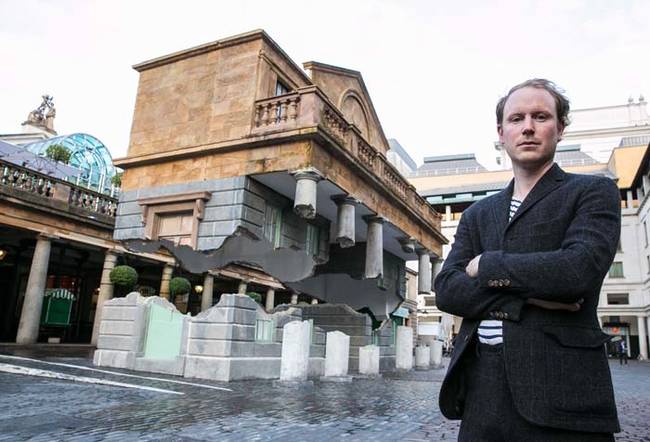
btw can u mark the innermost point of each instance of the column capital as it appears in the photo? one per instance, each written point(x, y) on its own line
point(408, 244)
point(47, 237)
point(344, 198)
point(421, 250)
point(374, 219)
point(309, 173)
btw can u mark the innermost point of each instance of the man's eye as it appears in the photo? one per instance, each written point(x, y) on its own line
point(515, 118)
point(541, 117)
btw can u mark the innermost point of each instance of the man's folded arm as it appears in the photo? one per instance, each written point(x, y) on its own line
point(566, 274)
point(461, 295)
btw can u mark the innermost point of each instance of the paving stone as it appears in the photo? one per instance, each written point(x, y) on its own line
point(397, 406)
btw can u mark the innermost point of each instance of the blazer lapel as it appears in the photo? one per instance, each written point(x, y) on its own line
point(551, 180)
point(501, 209)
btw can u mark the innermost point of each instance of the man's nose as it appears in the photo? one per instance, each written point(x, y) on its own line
point(529, 126)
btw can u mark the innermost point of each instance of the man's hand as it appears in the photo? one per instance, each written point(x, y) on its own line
point(472, 267)
point(552, 305)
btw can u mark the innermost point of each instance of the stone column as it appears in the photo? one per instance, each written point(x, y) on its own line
point(422, 357)
point(243, 285)
point(270, 299)
point(374, 247)
point(208, 291)
point(646, 184)
point(306, 192)
point(448, 213)
point(424, 271)
point(643, 338)
point(436, 353)
point(345, 222)
point(294, 365)
point(294, 299)
point(30, 316)
point(404, 348)
point(369, 360)
point(105, 292)
point(630, 199)
point(436, 266)
point(337, 354)
point(168, 270)
point(314, 301)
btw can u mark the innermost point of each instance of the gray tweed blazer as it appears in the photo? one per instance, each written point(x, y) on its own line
point(557, 247)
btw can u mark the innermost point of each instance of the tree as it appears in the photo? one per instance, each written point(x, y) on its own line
point(124, 277)
point(179, 286)
point(116, 180)
point(58, 152)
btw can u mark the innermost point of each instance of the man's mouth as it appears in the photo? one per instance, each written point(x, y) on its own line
point(528, 144)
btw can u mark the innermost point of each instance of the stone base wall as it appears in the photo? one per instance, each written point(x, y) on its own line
point(120, 332)
point(385, 336)
point(333, 317)
point(218, 344)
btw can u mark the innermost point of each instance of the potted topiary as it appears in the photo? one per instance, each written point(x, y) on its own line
point(124, 278)
point(179, 288)
point(58, 152)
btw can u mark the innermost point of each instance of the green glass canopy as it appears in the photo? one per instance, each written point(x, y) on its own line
point(87, 154)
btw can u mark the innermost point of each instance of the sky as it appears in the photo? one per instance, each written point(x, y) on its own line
point(434, 69)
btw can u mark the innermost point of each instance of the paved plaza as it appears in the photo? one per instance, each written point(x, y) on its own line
point(45, 397)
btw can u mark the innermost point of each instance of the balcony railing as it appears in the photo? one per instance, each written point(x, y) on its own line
point(53, 192)
point(309, 107)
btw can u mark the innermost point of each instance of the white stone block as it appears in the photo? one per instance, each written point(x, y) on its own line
point(295, 351)
point(436, 353)
point(404, 348)
point(369, 360)
point(422, 357)
point(337, 354)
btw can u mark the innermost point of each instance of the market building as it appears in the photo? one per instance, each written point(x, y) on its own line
point(258, 175)
point(56, 234)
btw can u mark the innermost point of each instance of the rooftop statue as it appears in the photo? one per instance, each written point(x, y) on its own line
point(43, 115)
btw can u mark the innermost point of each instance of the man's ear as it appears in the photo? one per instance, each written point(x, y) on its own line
point(560, 132)
point(500, 132)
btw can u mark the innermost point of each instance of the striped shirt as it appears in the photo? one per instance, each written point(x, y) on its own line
point(491, 331)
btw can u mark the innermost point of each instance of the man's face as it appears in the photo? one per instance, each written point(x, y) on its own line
point(530, 129)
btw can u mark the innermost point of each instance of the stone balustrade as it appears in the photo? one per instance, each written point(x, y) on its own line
point(26, 180)
point(53, 192)
point(276, 111)
point(310, 107)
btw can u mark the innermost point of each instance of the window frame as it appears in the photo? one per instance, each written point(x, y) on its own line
point(153, 207)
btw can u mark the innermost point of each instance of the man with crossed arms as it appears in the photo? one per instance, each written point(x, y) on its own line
point(525, 273)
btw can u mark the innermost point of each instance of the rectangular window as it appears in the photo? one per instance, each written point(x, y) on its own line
point(645, 232)
point(312, 241)
point(281, 89)
point(429, 301)
point(618, 299)
point(264, 330)
point(176, 227)
point(616, 270)
point(648, 260)
point(619, 247)
point(273, 225)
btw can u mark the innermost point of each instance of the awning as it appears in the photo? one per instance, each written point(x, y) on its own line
point(401, 312)
point(60, 294)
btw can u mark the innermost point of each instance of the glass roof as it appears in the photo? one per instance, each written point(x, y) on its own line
point(88, 154)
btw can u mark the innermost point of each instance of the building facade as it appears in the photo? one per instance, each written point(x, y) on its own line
point(257, 175)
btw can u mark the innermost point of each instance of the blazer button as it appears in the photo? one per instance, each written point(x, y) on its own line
point(505, 316)
point(500, 282)
point(506, 282)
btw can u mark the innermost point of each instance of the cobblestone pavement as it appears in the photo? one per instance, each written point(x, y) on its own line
point(394, 407)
